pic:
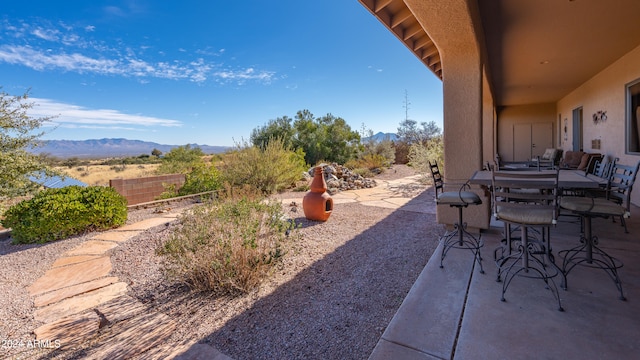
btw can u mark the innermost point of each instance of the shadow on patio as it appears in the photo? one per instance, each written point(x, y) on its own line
point(456, 312)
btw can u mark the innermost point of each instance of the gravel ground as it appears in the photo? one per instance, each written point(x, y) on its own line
point(22, 265)
point(331, 298)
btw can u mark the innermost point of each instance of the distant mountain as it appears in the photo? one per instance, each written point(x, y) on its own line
point(383, 136)
point(101, 148)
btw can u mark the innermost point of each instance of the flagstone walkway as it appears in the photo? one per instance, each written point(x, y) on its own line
point(81, 305)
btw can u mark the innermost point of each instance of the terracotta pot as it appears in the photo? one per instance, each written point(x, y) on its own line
point(317, 204)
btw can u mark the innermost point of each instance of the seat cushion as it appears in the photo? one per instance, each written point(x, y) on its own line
point(572, 159)
point(456, 198)
point(531, 216)
point(595, 206)
point(549, 154)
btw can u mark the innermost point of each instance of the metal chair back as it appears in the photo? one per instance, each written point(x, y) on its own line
point(525, 192)
point(593, 162)
point(621, 182)
point(438, 183)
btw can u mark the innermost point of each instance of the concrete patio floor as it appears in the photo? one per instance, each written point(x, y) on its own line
point(456, 313)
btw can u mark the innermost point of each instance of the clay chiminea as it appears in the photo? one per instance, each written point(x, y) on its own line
point(317, 204)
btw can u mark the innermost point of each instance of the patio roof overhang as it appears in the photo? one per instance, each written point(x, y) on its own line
point(536, 51)
point(397, 17)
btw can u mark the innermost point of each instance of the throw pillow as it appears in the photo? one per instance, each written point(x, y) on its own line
point(584, 161)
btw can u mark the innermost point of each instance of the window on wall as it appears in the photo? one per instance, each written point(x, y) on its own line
point(633, 118)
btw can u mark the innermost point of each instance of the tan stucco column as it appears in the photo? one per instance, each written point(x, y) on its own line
point(450, 25)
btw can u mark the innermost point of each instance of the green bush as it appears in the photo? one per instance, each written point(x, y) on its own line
point(181, 160)
point(382, 151)
point(202, 178)
point(55, 214)
point(420, 155)
point(372, 163)
point(272, 169)
point(228, 245)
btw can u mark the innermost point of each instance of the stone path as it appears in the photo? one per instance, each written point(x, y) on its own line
point(391, 194)
point(81, 305)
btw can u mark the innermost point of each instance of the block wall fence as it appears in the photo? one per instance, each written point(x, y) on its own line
point(146, 189)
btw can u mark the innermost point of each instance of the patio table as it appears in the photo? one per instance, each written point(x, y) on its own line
point(567, 179)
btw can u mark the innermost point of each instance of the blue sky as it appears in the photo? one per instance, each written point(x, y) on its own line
point(207, 72)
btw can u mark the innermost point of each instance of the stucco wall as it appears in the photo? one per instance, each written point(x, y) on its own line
point(523, 114)
point(488, 122)
point(605, 92)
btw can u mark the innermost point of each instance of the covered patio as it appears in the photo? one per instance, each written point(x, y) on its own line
point(508, 68)
point(522, 76)
point(456, 313)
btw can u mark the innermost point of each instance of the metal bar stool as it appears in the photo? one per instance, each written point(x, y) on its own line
point(528, 199)
point(588, 253)
point(459, 237)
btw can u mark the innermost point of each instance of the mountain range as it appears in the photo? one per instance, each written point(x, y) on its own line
point(101, 148)
point(383, 136)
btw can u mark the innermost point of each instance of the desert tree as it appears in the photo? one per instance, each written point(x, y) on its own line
point(327, 138)
point(181, 160)
point(19, 135)
point(280, 128)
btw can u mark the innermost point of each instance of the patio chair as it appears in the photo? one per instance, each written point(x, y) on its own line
point(549, 159)
point(618, 187)
point(528, 200)
point(603, 168)
point(593, 164)
point(616, 203)
point(459, 237)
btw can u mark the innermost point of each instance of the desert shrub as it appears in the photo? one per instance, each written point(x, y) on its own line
point(169, 192)
point(382, 151)
point(201, 178)
point(269, 170)
point(71, 162)
point(373, 163)
point(227, 245)
point(118, 168)
point(401, 152)
point(420, 155)
point(364, 172)
point(302, 187)
point(55, 214)
point(181, 160)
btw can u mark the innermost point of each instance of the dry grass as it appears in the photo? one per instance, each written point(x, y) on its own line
point(101, 174)
point(227, 246)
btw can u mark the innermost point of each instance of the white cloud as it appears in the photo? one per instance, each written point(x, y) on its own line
point(46, 34)
point(196, 71)
point(74, 116)
point(247, 74)
point(86, 55)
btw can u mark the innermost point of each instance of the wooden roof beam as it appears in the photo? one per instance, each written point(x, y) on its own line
point(433, 60)
point(429, 52)
point(381, 4)
point(399, 17)
point(422, 42)
point(412, 30)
